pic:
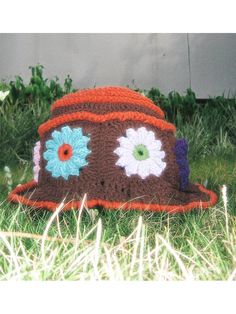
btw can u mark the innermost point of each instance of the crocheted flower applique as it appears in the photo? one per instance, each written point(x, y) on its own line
point(140, 153)
point(66, 152)
point(36, 159)
point(181, 153)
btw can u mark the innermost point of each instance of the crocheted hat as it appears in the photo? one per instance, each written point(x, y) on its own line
point(114, 145)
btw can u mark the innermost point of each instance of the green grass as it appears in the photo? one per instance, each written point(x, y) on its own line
point(209, 128)
point(121, 245)
point(96, 244)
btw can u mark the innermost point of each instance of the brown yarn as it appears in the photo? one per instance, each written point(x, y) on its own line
point(104, 108)
point(102, 180)
point(98, 178)
point(103, 95)
point(110, 116)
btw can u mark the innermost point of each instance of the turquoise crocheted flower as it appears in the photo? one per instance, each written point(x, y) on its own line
point(66, 152)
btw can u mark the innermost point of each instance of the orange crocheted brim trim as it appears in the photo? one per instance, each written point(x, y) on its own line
point(112, 95)
point(15, 197)
point(122, 116)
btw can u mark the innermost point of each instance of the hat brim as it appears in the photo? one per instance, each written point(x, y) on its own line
point(22, 194)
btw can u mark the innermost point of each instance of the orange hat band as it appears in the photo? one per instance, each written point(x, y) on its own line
point(95, 99)
point(121, 116)
point(16, 196)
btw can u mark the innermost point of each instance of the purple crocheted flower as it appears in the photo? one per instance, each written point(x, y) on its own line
point(181, 152)
point(36, 159)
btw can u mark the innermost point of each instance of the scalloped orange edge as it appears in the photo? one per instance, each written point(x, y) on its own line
point(15, 197)
point(88, 116)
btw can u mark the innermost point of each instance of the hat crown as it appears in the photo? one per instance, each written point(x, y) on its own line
point(102, 97)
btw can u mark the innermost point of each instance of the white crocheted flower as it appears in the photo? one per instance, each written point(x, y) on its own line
point(36, 160)
point(140, 153)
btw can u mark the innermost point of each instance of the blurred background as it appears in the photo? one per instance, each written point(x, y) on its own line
point(204, 62)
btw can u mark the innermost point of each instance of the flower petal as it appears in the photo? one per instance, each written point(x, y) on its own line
point(126, 143)
point(66, 130)
point(132, 168)
point(154, 145)
point(132, 136)
point(142, 134)
point(157, 154)
point(120, 151)
point(124, 161)
point(143, 169)
point(50, 154)
point(157, 169)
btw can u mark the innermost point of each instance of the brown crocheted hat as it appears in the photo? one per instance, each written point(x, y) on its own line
point(113, 144)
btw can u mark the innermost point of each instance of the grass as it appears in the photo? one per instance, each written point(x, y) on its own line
point(105, 245)
point(119, 245)
point(208, 127)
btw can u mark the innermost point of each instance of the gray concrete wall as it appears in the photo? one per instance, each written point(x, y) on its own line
point(207, 62)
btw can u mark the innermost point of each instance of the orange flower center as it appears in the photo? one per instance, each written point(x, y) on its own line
point(65, 152)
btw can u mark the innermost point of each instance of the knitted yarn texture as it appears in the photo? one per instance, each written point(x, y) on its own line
point(36, 159)
point(114, 145)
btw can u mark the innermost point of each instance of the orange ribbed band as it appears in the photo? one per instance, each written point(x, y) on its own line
point(112, 95)
point(88, 116)
point(15, 197)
